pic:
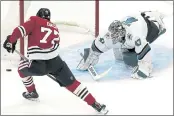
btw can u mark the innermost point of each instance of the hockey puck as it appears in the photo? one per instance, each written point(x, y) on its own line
point(8, 70)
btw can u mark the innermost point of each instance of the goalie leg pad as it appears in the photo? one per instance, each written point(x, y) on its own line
point(153, 30)
point(99, 46)
point(155, 25)
point(90, 57)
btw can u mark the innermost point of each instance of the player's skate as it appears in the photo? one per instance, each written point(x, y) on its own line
point(101, 108)
point(33, 96)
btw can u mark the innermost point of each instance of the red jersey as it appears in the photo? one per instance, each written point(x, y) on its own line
point(43, 38)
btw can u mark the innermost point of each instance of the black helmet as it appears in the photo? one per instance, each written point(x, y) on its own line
point(44, 13)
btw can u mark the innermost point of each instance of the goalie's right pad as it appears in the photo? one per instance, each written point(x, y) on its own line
point(90, 57)
point(157, 18)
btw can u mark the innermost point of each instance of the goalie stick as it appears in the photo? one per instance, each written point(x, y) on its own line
point(93, 72)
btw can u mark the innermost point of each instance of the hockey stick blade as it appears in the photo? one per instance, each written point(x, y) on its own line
point(96, 76)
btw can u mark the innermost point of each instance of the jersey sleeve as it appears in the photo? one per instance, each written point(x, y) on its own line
point(23, 30)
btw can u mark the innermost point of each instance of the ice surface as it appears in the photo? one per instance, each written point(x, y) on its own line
point(121, 94)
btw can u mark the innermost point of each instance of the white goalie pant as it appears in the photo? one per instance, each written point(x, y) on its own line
point(118, 53)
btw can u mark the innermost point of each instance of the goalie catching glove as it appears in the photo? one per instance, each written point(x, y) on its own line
point(10, 47)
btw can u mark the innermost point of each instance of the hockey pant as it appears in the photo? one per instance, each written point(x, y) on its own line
point(43, 67)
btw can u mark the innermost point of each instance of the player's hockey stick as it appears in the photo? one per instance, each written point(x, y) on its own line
point(25, 58)
point(93, 72)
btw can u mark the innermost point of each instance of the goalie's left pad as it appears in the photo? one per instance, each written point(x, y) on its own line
point(143, 69)
point(90, 57)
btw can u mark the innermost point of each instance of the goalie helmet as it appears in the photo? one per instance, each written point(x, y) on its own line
point(44, 13)
point(117, 31)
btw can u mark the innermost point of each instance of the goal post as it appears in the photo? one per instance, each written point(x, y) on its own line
point(96, 18)
point(21, 15)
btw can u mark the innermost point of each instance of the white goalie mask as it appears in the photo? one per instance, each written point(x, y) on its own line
point(117, 31)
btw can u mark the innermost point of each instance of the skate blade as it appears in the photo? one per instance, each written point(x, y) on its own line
point(106, 112)
point(103, 112)
point(34, 99)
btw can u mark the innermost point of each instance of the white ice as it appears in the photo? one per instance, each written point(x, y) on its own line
point(121, 94)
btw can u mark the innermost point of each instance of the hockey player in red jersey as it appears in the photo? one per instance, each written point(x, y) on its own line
point(43, 55)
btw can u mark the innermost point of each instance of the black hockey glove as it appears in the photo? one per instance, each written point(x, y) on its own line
point(10, 47)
